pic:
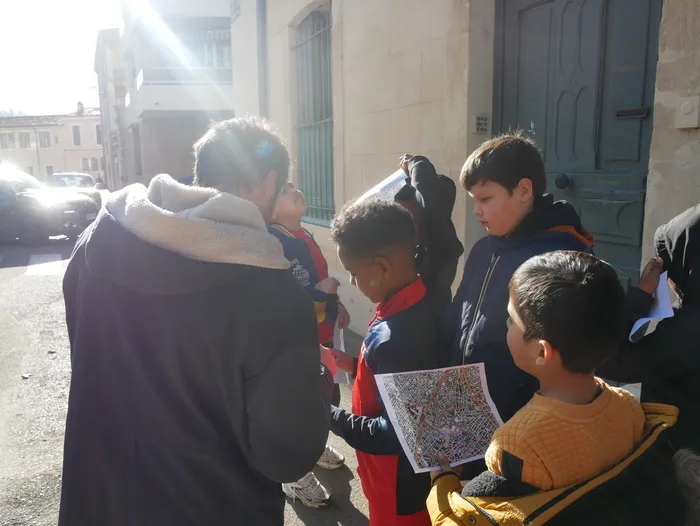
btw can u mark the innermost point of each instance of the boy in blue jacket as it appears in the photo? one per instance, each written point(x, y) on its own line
point(506, 179)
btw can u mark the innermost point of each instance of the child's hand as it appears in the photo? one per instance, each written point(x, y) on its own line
point(445, 468)
point(327, 360)
point(343, 317)
point(343, 361)
point(403, 162)
point(649, 280)
point(328, 285)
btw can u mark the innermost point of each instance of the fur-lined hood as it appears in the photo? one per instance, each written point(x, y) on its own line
point(199, 223)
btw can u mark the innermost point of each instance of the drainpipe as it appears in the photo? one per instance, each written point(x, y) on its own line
point(262, 56)
point(38, 157)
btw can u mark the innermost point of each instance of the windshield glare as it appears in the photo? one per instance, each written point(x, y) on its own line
point(73, 180)
point(19, 182)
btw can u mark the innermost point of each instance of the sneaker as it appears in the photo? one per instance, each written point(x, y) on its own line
point(331, 459)
point(309, 491)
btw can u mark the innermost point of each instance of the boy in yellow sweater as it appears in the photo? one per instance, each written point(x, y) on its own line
point(567, 316)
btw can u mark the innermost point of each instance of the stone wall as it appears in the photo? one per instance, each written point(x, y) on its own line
point(404, 80)
point(674, 169)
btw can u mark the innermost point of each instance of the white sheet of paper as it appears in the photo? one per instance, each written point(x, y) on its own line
point(440, 412)
point(341, 377)
point(388, 186)
point(635, 389)
point(663, 307)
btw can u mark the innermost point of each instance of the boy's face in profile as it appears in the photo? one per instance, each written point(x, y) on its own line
point(498, 210)
point(291, 203)
point(367, 274)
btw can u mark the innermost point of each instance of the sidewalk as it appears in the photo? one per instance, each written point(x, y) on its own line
point(349, 506)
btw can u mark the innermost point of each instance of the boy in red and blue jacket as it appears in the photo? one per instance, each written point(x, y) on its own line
point(376, 244)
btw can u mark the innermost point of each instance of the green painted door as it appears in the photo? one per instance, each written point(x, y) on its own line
point(578, 77)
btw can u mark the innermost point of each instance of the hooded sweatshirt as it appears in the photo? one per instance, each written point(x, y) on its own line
point(667, 361)
point(477, 319)
point(196, 387)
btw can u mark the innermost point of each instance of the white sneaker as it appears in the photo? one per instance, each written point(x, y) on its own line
point(309, 491)
point(331, 459)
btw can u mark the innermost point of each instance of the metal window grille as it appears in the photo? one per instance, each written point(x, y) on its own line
point(315, 114)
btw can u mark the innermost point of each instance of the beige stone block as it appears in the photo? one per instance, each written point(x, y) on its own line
point(353, 183)
point(418, 21)
point(391, 82)
point(431, 127)
point(680, 27)
point(365, 40)
point(357, 13)
point(397, 131)
point(358, 134)
point(244, 64)
point(433, 70)
point(360, 86)
point(281, 97)
point(392, 131)
point(681, 74)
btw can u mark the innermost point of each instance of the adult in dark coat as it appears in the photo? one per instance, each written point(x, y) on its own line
point(196, 380)
point(667, 361)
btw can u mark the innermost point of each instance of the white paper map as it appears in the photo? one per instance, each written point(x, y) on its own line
point(440, 412)
point(387, 188)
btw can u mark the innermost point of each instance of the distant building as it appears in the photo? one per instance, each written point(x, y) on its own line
point(45, 144)
point(162, 80)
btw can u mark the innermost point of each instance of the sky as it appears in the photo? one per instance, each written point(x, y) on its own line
point(48, 52)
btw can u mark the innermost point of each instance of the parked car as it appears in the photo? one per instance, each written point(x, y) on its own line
point(32, 211)
point(78, 182)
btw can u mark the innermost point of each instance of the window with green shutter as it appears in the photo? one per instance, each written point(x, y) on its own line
point(315, 114)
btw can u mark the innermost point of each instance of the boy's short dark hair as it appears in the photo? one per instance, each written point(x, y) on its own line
point(574, 301)
point(506, 160)
point(239, 153)
point(368, 228)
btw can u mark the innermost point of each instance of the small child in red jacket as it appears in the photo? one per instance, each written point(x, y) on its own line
point(377, 245)
point(310, 268)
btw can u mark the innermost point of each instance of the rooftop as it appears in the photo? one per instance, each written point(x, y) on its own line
point(29, 121)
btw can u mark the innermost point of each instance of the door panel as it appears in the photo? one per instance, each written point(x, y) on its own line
point(8, 219)
point(578, 77)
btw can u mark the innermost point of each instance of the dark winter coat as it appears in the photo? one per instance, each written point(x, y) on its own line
point(479, 310)
point(430, 197)
point(667, 361)
point(196, 387)
point(477, 318)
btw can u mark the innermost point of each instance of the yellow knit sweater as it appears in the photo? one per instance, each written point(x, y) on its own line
point(549, 444)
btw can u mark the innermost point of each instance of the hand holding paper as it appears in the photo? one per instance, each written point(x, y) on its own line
point(663, 308)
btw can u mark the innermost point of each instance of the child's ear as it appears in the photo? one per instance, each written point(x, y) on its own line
point(384, 265)
point(524, 189)
point(545, 353)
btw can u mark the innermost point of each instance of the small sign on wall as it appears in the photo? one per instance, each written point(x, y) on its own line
point(481, 124)
point(235, 9)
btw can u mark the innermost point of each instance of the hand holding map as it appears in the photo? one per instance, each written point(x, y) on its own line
point(442, 412)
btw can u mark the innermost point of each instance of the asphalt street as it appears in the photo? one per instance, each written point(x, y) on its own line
point(34, 381)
